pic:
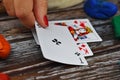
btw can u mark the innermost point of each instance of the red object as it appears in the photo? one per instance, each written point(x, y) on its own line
point(82, 45)
point(45, 20)
point(71, 29)
point(4, 76)
point(80, 48)
point(4, 47)
point(82, 25)
point(86, 51)
point(76, 22)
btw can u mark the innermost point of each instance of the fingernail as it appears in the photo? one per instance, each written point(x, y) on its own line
point(45, 20)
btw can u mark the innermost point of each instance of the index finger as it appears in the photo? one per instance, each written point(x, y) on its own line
point(40, 12)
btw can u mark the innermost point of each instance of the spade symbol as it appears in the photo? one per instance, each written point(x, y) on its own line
point(56, 41)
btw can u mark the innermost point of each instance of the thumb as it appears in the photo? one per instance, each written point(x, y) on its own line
point(40, 12)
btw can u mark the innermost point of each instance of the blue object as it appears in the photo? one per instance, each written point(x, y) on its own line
point(100, 9)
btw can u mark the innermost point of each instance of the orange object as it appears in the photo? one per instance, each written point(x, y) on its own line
point(4, 47)
point(4, 76)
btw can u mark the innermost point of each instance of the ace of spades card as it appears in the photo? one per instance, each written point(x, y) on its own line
point(57, 44)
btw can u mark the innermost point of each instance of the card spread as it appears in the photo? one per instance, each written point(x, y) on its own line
point(65, 41)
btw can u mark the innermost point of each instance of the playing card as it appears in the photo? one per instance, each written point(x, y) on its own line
point(83, 47)
point(57, 44)
point(80, 29)
point(35, 36)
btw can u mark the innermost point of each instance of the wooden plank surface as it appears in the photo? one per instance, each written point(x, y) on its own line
point(27, 63)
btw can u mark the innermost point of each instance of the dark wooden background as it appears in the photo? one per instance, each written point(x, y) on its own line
point(27, 63)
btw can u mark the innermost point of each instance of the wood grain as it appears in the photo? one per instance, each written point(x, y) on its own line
point(27, 63)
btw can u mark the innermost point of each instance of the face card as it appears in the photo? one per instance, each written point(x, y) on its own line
point(58, 45)
point(80, 29)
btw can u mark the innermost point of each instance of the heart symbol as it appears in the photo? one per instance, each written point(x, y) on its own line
point(100, 9)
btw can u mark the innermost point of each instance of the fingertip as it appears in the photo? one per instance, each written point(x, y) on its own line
point(40, 12)
point(43, 22)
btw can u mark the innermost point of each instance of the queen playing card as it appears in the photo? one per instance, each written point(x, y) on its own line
point(80, 29)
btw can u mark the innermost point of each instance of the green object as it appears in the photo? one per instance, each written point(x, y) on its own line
point(116, 25)
point(119, 62)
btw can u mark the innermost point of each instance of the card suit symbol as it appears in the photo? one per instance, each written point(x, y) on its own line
point(86, 51)
point(82, 24)
point(56, 41)
point(80, 48)
point(78, 43)
point(83, 45)
point(78, 54)
point(75, 22)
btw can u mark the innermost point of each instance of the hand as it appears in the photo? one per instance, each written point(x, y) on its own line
point(28, 11)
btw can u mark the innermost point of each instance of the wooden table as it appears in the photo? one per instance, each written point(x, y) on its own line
point(27, 63)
